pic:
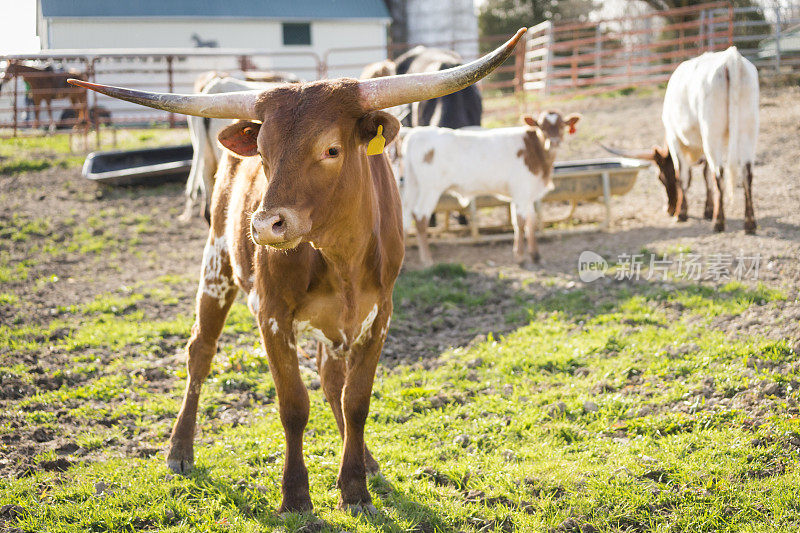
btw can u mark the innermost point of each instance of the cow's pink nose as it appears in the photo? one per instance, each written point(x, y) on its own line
point(268, 230)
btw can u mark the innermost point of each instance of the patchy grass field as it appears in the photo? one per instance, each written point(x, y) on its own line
point(27, 154)
point(506, 400)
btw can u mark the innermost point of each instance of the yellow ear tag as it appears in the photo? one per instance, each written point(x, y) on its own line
point(377, 143)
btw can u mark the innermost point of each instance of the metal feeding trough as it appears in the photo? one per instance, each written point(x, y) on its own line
point(131, 167)
point(587, 180)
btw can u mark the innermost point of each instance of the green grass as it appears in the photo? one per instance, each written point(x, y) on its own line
point(30, 154)
point(601, 408)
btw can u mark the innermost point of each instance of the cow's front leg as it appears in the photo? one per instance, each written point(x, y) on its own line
point(425, 257)
point(526, 252)
point(361, 363)
point(518, 222)
point(533, 247)
point(719, 206)
point(215, 295)
point(52, 125)
point(292, 404)
point(332, 371)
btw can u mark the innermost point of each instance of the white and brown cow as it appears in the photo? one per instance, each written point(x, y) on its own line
point(710, 114)
point(513, 163)
point(310, 226)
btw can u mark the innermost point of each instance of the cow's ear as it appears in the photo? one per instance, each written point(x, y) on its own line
point(571, 120)
point(529, 121)
point(240, 138)
point(367, 126)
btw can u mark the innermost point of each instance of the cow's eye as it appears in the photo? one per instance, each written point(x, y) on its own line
point(333, 152)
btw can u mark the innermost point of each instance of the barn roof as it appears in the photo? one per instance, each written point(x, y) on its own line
point(271, 9)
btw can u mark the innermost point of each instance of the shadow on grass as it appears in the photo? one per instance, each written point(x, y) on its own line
point(449, 305)
point(255, 506)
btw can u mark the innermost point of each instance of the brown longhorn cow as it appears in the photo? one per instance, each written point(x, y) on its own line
point(319, 255)
point(48, 85)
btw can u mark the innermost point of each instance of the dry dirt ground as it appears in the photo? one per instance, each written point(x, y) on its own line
point(99, 240)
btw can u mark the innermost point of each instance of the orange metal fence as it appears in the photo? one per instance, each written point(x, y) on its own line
point(555, 61)
point(177, 71)
point(605, 55)
point(584, 58)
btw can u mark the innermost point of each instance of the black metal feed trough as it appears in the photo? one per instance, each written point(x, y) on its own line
point(132, 167)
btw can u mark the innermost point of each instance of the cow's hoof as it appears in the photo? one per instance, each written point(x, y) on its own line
point(298, 505)
point(750, 227)
point(181, 466)
point(708, 214)
point(180, 458)
point(683, 217)
point(719, 227)
point(358, 509)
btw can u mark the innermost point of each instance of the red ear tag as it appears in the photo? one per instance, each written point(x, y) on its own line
point(571, 129)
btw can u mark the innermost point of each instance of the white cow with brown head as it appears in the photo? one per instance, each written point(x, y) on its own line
point(512, 163)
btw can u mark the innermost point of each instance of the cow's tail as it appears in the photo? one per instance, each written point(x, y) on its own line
point(409, 186)
point(733, 68)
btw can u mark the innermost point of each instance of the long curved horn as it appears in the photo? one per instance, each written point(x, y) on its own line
point(381, 93)
point(240, 104)
point(646, 155)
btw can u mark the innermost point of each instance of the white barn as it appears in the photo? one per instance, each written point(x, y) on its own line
point(164, 45)
point(283, 27)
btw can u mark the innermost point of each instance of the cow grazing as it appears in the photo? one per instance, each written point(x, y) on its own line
point(203, 133)
point(513, 163)
point(311, 227)
point(710, 114)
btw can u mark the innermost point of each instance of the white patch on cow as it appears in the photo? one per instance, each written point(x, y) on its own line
point(385, 329)
point(253, 302)
point(323, 358)
point(237, 269)
point(304, 330)
point(367, 324)
point(214, 283)
point(273, 326)
point(552, 118)
point(252, 279)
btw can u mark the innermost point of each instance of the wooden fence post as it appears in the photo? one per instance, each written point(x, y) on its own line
point(548, 63)
point(730, 25)
point(574, 67)
point(90, 65)
point(702, 31)
point(16, 90)
point(170, 88)
point(519, 66)
point(777, 39)
point(598, 49)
